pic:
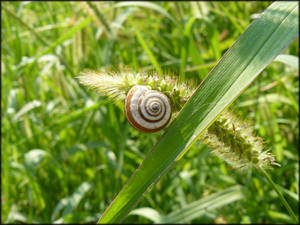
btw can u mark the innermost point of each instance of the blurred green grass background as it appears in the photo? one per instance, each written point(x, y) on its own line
point(66, 152)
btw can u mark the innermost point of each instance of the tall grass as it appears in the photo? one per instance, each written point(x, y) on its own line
point(67, 152)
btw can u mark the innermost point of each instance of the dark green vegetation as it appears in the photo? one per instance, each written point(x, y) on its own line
point(66, 152)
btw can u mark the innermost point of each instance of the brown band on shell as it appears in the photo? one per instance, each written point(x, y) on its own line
point(150, 121)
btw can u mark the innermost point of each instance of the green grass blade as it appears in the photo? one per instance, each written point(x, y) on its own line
point(51, 47)
point(280, 217)
point(290, 60)
point(148, 5)
point(148, 213)
point(185, 44)
point(282, 199)
point(256, 48)
point(148, 51)
point(200, 207)
point(99, 16)
point(68, 204)
point(30, 29)
point(68, 35)
point(194, 209)
point(66, 119)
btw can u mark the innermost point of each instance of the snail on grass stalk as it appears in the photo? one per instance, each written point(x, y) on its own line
point(150, 101)
point(162, 96)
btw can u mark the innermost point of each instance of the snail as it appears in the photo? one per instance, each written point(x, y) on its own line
point(147, 110)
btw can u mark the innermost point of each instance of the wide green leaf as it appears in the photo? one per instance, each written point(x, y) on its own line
point(264, 39)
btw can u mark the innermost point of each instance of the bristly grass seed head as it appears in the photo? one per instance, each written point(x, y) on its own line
point(233, 141)
point(115, 85)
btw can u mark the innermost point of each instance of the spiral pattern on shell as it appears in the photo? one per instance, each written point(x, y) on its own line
point(147, 110)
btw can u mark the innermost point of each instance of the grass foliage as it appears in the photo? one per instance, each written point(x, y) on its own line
point(66, 152)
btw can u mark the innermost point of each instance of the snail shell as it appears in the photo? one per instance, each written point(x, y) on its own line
point(147, 110)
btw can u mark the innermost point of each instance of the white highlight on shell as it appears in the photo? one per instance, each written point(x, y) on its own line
point(140, 103)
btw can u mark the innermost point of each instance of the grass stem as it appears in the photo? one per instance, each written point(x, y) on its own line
point(100, 16)
point(282, 199)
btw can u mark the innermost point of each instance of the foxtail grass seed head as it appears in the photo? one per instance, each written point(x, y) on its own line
point(116, 85)
point(234, 142)
point(231, 139)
